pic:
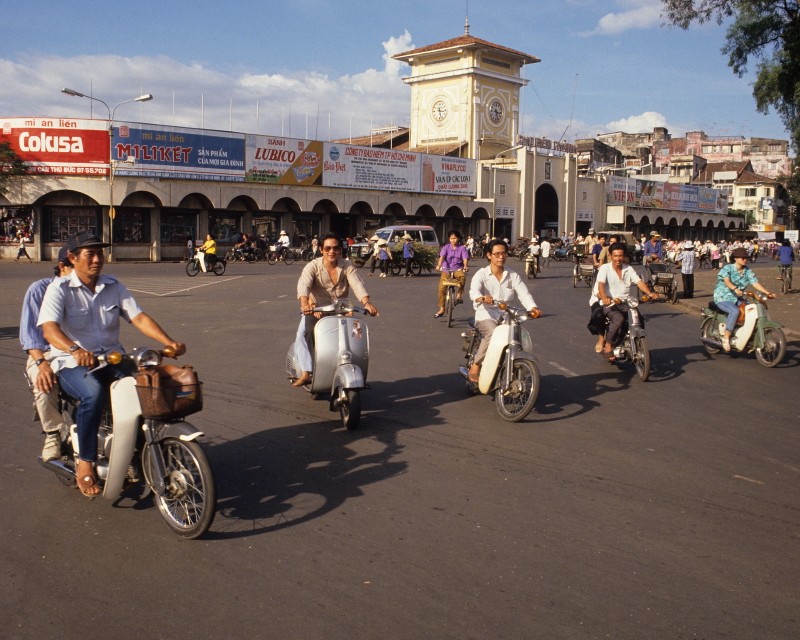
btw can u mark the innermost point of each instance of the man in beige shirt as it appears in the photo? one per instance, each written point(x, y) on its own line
point(322, 282)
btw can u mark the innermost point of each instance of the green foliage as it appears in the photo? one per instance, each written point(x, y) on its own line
point(10, 165)
point(426, 256)
point(767, 30)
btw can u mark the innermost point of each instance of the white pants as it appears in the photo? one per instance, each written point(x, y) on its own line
point(46, 403)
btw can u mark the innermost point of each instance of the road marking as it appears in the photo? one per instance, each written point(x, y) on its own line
point(169, 286)
point(564, 370)
point(737, 477)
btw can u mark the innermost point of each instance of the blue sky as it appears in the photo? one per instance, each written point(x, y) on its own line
point(323, 68)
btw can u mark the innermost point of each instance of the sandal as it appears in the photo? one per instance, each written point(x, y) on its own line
point(87, 483)
point(609, 356)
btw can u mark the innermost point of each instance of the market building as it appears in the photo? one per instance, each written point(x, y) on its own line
point(464, 163)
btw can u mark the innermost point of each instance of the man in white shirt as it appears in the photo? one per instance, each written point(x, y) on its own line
point(490, 285)
point(545, 252)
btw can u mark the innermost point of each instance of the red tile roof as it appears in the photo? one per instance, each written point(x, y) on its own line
point(467, 41)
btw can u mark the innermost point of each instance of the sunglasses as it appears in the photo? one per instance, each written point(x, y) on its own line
point(330, 248)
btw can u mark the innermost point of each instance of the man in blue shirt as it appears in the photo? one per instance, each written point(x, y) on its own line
point(653, 251)
point(40, 374)
point(785, 256)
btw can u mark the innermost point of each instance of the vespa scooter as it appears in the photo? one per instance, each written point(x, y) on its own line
point(340, 359)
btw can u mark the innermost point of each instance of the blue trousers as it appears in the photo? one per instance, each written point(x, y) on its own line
point(92, 392)
point(732, 309)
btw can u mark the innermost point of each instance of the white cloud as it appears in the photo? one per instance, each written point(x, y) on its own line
point(193, 95)
point(633, 14)
point(643, 123)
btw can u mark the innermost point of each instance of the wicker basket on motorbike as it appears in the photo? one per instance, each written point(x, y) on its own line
point(168, 392)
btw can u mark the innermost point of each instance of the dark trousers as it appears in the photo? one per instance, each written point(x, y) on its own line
point(688, 285)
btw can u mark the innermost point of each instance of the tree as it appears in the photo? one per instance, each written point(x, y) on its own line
point(767, 30)
point(10, 165)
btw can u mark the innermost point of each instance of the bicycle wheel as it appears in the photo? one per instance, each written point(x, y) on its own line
point(189, 503)
point(774, 348)
point(519, 397)
point(786, 281)
point(230, 255)
point(272, 257)
point(416, 268)
point(192, 268)
point(450, 304)
point(288, 256)
point(395, 268)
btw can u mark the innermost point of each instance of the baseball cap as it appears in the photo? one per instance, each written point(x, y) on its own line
point(84, 239)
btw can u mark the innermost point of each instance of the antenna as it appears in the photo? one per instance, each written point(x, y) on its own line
point(572, 113)
point(466, 20)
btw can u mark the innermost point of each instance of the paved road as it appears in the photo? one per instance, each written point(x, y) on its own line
point(619, 509)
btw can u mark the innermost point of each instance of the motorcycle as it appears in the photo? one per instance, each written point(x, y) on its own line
point(532, 266)
point(631, 345)
point(196, 265)
point(143, 439)
point(341, 360)
point(509, 371)
point(754, 331)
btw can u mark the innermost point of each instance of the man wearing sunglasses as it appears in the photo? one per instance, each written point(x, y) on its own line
point(322, 282)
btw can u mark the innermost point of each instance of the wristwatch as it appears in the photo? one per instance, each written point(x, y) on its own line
point(38, 362)
point(74, 348)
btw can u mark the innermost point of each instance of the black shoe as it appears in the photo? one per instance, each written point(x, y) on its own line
point(459, 301)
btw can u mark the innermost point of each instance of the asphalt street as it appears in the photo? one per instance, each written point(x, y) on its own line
point(618, 509)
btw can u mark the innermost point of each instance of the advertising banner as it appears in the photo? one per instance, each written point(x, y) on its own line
point(175, 152)
point(370, 168)
point(443, 174)
point(649, 194)
point(275, 160)
point(59, 146)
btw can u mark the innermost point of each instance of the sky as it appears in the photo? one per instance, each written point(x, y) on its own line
point(323, 69)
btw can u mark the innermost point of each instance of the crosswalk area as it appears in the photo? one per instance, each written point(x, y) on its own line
point(163, 287)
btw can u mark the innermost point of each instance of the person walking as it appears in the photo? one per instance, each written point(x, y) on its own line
point(546, 247)
point(686, 258)
point(21, 251)
point(408, 254)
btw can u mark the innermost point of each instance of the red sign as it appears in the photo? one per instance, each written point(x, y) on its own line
point(59, 145)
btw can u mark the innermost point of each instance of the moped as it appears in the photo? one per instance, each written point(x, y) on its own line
point(754, 331)
point(631, 345)
point(340, 359)
point(198, 264)
point(509, 371)
point(143, 439)
point(532, 265)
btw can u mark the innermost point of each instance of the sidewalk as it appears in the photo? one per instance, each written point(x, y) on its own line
point(784, 309)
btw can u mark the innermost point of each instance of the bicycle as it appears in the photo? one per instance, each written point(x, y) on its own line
point(452, 285)
point(786, 278)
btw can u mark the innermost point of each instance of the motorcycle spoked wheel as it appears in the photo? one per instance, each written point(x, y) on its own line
point(710, 330)
point(192, 268)
point(771, 354)
point(190, 500)
point(350, 409)
point(641, 358)
point(518, 400)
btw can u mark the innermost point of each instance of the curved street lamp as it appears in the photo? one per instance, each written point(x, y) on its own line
point(494, 181)
point(111, 112)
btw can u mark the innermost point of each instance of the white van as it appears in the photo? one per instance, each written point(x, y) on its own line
point(420, 233)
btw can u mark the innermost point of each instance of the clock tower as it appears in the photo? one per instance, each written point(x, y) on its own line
point(465, 96)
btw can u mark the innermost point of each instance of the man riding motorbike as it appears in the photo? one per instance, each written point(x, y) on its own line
point(321, 282)
point(614, 281)
point(79, 318)
point(492, 284)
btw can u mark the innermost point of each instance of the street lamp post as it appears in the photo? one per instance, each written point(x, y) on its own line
point(111, 112)
point(494, 182)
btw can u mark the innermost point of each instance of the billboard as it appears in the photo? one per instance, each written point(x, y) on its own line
point(454, 176)
point(175, 152)
point(59, 146)
point(649, 194)
point(273, 160)
point(345, 165)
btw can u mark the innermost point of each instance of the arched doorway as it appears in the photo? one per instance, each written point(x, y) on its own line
point(545, 207)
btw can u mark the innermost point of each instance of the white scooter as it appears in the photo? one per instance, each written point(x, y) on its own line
point(143, 436)
point(508, 369)
point(340, 360)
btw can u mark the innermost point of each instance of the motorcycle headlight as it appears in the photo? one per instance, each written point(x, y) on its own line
point(633, 303)
point(148, 358)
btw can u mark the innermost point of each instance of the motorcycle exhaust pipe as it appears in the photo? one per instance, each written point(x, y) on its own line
point(59, 468)
point(714, 344)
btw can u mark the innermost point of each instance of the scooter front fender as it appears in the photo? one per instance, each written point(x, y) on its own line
point(348, 376)
point(637, 331)
point(127, 413)
point(181, 430)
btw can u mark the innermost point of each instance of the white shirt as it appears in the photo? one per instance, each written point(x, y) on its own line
point(507, 289)
point(89, 319)
point(284, 240)
point(545, 249)
point(615, 287)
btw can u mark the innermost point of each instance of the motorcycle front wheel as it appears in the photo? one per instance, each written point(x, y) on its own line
point(710, 331)
point(641, 358)
point(192, 268)
point(230, 256)
point(350, 409)
point(189, 502)
point(523, 389)
point(774, 348)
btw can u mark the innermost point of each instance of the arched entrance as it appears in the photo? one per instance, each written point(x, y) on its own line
point(545, 207)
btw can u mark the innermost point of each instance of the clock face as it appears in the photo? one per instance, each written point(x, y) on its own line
point(495, 111)
point(439, 110)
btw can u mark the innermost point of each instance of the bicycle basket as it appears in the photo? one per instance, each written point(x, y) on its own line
point(169, 392)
